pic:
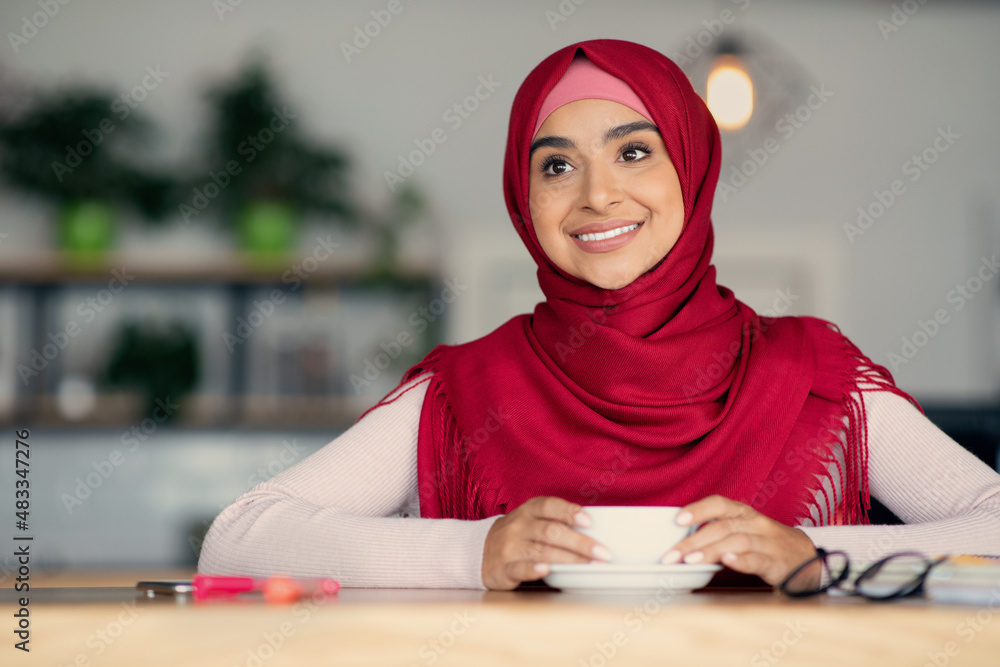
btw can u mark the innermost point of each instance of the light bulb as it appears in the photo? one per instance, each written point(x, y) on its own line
point(730, 93)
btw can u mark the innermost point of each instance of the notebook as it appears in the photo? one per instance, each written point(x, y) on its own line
point(965, 580)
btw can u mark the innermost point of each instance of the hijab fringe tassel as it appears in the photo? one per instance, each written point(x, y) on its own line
point(851, 429)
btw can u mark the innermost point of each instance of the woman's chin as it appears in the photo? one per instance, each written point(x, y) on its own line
point(611, 281)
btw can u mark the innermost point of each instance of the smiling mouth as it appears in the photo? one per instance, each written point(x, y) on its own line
point(610, 234)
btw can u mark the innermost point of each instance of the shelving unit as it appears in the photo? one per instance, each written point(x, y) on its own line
point(349, 312)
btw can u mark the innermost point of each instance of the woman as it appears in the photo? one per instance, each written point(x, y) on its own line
point(638, 381)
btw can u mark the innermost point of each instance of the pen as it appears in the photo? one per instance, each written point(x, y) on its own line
point(275, 589)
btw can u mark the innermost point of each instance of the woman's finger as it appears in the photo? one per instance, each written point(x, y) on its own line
point(771, 567)
point(534, 562)
point(733, 542)
point(708, 534)
point(521, 570)
point(560, 535)
point(553, 521)
point(712, 508)
point(541, 553)
point(557, 509)
point(749, 562)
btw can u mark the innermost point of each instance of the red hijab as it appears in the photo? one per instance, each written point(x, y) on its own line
point(659, 393)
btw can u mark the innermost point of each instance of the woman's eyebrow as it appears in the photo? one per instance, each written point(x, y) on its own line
point(616, 132)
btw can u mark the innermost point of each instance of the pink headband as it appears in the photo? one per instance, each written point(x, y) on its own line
point(585, 80)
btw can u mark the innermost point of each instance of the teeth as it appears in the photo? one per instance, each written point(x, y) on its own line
point(608, 234)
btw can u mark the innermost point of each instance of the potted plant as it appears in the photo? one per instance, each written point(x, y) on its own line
point(70, 148)
point(159, 359)
point(261, 172)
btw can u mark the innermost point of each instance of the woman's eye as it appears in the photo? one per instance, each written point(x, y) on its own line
point(556, 167)
point(633, 154)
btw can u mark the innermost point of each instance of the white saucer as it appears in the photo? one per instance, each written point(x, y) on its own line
point(587, 577)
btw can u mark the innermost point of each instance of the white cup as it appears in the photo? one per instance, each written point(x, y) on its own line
point(636, 535)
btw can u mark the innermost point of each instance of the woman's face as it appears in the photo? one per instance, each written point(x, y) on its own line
point(603, 194)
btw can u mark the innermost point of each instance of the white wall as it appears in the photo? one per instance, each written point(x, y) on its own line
point(890, 96)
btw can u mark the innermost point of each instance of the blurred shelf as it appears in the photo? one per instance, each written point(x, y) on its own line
point(216, 293)
point(125, 411)
point(174, 267)
point(303, 411)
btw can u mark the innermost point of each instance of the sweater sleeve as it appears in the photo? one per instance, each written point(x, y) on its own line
point(949, 499)
point(331, 514)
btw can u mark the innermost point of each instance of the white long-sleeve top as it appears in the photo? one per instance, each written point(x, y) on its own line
point(351, 510)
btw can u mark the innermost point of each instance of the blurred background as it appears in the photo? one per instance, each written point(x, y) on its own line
point(227, 228)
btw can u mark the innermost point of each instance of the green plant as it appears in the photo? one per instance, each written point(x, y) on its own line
point(161, 360)
point(261, 169)
point(69, 147)
point(257, 151)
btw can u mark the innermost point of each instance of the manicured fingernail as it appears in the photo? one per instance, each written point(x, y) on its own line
point(601, 552)
point(729, 558)
point(541, 568)
point(671, 557)
point(582, 519)
point(694, 557)
point(683, 518)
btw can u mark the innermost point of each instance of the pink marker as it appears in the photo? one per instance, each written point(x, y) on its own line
point(275, 589)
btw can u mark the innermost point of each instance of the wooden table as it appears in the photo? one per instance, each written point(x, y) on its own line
point(99, 620)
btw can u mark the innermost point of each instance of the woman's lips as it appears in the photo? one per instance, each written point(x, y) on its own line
point(613, 239)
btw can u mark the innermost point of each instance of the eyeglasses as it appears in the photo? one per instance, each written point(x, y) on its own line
point(895, 576)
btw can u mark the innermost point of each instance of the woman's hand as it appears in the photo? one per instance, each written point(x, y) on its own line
point(521, 545)
point(743, 539)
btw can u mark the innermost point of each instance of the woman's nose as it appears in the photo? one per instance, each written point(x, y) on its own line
point(600, 188)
